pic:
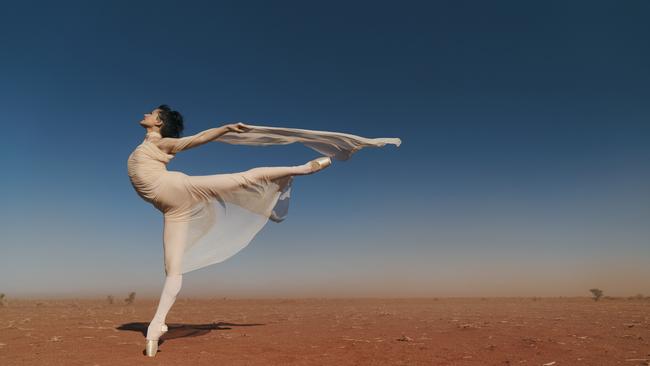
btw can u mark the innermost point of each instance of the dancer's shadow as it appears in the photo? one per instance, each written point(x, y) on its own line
point(183, 330)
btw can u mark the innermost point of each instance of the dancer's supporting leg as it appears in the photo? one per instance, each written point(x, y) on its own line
point(174, 235)
point(167, 298)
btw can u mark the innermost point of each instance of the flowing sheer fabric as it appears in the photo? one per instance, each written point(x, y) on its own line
point(209, 219)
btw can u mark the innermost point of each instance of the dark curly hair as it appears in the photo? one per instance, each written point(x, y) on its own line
point(172, 122)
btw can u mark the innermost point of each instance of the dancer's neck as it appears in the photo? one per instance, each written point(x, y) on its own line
point(153, 133)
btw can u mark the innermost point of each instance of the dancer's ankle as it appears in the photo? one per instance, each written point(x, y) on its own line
point(155, 329)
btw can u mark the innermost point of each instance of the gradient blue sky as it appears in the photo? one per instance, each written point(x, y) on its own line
point(523, 169)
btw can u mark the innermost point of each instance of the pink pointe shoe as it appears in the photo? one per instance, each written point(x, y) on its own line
point(152, 344)
point(320, 163)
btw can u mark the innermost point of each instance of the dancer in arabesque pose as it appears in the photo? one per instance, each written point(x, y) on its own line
point(208, 219)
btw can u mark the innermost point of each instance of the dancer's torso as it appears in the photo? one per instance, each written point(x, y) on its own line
point(146, 165)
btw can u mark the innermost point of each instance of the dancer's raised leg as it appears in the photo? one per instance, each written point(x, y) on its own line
point(275, 172)
point(211, 185)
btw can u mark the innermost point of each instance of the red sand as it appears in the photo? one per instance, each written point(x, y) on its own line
point(445, 331)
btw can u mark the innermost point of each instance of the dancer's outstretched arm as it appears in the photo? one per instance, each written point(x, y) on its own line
point(173, 145)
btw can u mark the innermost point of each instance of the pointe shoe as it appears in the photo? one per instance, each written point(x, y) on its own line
point(152, 347)
point(320, 163)
point(152, 344)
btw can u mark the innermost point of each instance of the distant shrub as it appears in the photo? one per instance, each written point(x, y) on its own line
point(597, 293)
point(3, 300)
point(636, 297)
point(129, 300)
point(110, 299)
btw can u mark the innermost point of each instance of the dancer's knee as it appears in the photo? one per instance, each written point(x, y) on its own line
point(173, 265)
point(174, 284)
point(173, 260)
point(252, 174)
point(172, 270)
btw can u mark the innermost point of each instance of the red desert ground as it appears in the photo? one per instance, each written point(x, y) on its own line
point(357, 331)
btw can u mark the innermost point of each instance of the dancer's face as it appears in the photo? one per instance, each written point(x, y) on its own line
point(151, 119)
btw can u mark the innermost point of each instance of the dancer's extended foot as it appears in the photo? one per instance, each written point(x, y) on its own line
point(318, 164)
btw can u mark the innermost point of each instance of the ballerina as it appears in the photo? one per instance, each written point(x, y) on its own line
point(209, 218)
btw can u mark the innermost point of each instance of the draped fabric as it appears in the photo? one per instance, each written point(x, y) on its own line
point(209, 219)
point(337, 145)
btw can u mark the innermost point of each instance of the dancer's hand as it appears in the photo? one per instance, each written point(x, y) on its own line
point(238, 127)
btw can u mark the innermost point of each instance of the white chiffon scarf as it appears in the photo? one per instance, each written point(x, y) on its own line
point(220, 228)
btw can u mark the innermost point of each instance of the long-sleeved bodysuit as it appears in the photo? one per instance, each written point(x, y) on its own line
point(208, 219)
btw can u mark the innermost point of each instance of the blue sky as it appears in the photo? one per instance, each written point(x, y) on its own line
point(523, 169)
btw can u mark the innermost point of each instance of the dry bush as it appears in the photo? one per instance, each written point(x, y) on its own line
point(597, 293)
